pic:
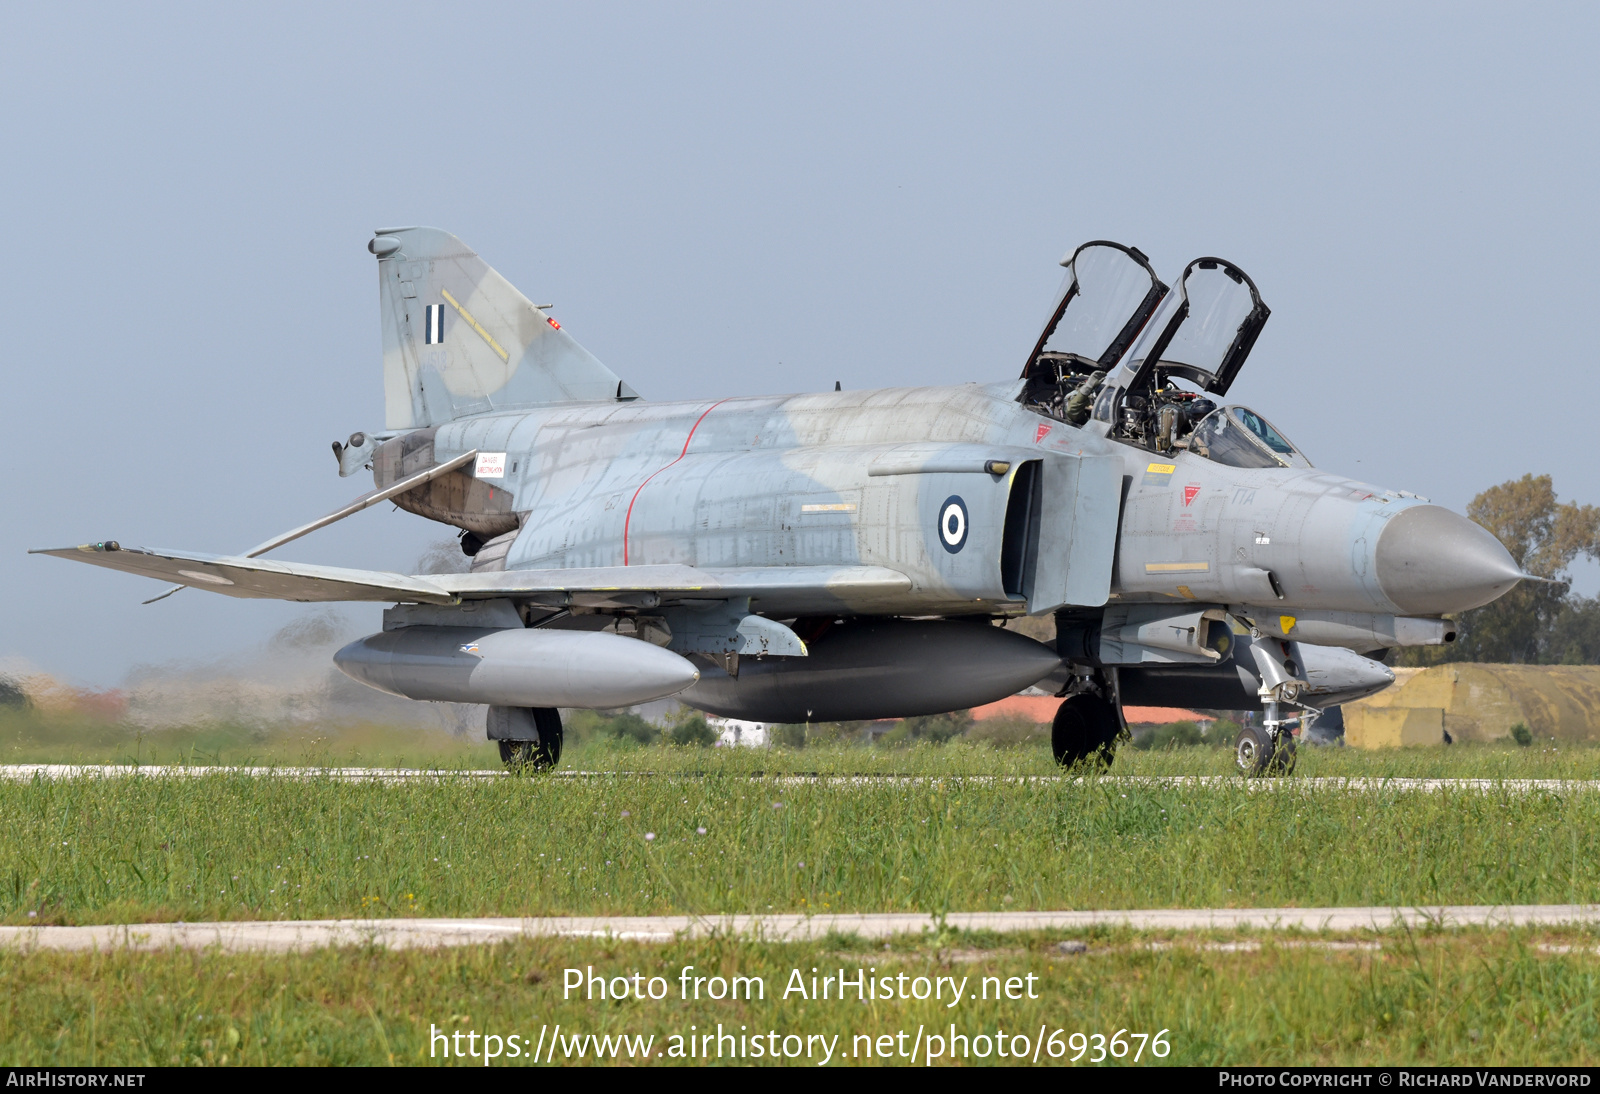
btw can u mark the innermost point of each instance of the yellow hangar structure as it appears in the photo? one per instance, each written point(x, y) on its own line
point(1478, 702)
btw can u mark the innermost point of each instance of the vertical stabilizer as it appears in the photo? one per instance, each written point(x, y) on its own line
point(458, 339)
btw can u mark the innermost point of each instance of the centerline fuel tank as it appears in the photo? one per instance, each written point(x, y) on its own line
point(866, 669)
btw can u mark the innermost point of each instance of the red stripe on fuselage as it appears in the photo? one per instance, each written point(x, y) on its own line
point(628, 519)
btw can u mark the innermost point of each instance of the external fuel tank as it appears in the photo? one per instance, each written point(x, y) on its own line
point(878, 669)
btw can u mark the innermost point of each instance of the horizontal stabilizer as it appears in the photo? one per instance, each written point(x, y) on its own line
point(801, 588)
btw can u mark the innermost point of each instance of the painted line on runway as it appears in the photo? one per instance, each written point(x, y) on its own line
point(386, 775)
point(284, 936)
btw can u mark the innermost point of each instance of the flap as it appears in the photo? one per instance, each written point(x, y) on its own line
point(796, 588)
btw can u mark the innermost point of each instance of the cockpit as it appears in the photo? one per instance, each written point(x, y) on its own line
point(1122, 349)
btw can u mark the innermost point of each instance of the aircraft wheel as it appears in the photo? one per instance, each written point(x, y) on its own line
point(1257, 756)
point(540, 755)
point(1085, 730)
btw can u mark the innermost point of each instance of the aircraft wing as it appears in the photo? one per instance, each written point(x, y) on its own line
point(256, 578)
point(799, 588)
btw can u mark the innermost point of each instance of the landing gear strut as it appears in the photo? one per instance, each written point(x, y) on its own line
point(1085, 731)
point(529, 737)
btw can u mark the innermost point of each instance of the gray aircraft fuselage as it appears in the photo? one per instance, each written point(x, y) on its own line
point(851, 547)
point(860, 478)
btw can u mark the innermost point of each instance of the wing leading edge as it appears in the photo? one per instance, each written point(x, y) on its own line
point(801, 587)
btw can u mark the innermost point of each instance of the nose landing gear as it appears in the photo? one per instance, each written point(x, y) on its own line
point(1268, 750)
point(1260, 752)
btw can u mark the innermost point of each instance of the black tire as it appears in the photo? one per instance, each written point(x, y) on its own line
point(540, 755)
point(1085, 731)
point(1255, 754)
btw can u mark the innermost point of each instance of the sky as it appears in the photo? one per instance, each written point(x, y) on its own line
point(745, 199)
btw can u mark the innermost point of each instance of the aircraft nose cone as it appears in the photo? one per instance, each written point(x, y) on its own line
point(1431, 561)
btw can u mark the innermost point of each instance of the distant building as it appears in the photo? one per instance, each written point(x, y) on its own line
point(735, 733)
point(1042, 709)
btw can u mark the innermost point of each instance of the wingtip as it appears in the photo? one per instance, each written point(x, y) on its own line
point(87, 548)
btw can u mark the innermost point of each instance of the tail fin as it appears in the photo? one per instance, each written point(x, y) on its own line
point(458, 339)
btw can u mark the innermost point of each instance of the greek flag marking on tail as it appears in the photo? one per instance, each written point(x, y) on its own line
point(435, 325)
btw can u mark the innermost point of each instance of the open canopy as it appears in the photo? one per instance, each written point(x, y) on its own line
point(1107, 295)
point(1202, 331)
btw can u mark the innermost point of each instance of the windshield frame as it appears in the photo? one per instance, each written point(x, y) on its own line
point(1263, 454)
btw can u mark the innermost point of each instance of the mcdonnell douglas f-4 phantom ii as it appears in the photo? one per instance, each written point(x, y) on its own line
point(847, 555)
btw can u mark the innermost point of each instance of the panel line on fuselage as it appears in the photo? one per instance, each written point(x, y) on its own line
point(628, 517)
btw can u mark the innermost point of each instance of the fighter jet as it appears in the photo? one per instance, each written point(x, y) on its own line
point(854, 554)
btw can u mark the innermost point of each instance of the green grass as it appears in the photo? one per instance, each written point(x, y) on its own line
point(1470, 998)
point(228, 845)
point(234, 846)
point(29, 737)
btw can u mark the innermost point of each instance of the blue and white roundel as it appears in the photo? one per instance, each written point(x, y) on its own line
point(953, 523)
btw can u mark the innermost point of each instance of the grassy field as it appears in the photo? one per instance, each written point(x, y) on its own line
point(28, 737)
point(592, 745)
point(672, 829)
point(233, 846)
point(1470, 998)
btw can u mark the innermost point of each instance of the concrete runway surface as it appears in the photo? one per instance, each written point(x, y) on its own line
point(392, 775)
point(299, 935)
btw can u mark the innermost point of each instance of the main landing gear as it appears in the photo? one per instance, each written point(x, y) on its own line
point(529, 737)
point(1085, 731)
